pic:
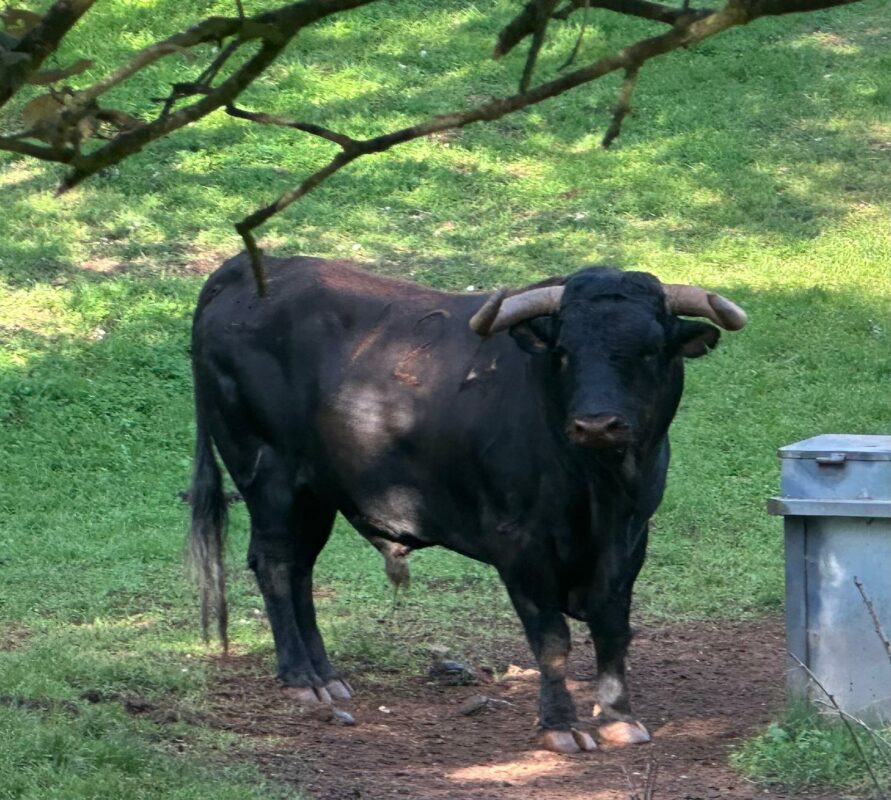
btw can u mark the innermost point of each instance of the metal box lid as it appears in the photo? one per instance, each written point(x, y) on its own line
point(840, 447)
point(835, 474)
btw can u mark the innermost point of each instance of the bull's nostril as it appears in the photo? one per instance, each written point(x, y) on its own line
point(606, 429)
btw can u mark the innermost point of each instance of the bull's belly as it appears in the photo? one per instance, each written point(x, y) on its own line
point(395, 515)
point(404, 515)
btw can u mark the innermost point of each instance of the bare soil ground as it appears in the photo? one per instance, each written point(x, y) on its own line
point(700, 688)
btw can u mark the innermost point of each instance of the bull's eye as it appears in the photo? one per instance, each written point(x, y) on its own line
point(649, 354)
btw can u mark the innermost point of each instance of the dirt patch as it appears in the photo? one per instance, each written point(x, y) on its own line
point(699, 687)
point(13, 637)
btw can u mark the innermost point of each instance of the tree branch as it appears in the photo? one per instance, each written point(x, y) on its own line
point(246, 227)
point(623, 106)
point(882, 745)
point(774, 8)
point(543, 11)
point(132, 141)
point(41, 41)
point(630, 59)
point(645, 9)
point(13, 144)
point(285, 22)
point(576, 48)
point(346, 142)
point(524, 23)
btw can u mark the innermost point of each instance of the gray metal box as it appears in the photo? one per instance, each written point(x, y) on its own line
point(837, 507)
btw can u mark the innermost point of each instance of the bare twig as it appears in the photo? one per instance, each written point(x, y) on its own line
point(208, 30)
point(132, 141)
point(648, 791)
point(346, 142)
point(201, 84)
point(207, 77)
point(644, 9)
point(578, 42)
point(256, 256)
point(882, 745)
point(246, 227)
point(543, 10)
point(880, 795)
point(883, 638)
point(623, 106)
point(650, 779)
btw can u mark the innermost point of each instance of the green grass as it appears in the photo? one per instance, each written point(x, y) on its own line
point(809, 749)
point(101, 753)
point(756, 164)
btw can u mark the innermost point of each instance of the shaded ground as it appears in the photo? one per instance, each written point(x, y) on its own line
point(699, 687)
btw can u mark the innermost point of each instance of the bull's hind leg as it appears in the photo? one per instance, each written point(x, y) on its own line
point(288, 530)
point(313, 520)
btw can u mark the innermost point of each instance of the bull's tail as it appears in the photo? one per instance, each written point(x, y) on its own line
point(208, 532)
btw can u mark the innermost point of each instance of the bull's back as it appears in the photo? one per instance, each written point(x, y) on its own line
point(374, 390)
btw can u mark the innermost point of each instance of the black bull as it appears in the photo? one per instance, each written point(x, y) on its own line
point(543, 452)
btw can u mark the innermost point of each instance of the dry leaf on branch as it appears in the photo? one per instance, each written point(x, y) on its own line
point(19, 20)
point(41, 109)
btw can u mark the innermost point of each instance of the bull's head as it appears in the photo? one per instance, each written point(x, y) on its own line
point(615, 344)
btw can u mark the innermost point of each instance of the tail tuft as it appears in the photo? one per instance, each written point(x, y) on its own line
point(207, 537)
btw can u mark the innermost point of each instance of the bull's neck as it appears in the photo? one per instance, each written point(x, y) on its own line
point(626, 487)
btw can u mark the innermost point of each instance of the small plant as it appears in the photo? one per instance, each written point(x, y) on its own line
point(809, 748)
point(831, 747)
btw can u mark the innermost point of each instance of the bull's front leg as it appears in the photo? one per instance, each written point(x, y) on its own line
point(548, 636)
point(609, 607)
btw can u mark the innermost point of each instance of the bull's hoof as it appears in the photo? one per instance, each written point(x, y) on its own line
point(339, 689)
point(620, 734)
point(584, 740)
point(558, 742)
point(566, 742)
point(307, 696)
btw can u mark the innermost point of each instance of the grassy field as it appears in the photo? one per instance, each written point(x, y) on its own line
point(757, 164)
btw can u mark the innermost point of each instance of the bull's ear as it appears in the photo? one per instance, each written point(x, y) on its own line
point(694, 339)
point(536, 335)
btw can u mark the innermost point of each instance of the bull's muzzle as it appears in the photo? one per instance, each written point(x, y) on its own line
point(600, 430)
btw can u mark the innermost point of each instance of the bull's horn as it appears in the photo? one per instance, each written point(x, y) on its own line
point(500, 311)
point(695, 302)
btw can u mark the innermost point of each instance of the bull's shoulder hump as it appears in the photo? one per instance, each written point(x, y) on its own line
point(347, 278)
point(326, 283)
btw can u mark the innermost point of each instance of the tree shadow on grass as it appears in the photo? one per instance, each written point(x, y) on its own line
point(715, 150)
